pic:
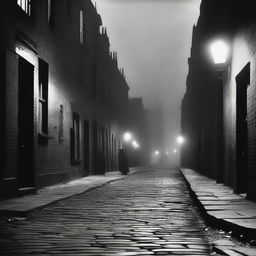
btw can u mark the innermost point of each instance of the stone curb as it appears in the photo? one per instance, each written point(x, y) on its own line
point(241, 232)
point(22, 206)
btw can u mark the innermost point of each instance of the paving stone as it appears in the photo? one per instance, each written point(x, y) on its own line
point(223, 242)
point(148, 213)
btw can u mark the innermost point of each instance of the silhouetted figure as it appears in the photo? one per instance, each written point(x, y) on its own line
point(100, 163)
point(122, 162)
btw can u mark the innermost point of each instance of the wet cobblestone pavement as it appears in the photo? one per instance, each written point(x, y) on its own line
point(148, 213)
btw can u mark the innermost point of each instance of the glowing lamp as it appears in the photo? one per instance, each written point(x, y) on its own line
point(219, 50)
point(135, 144)
point(180, 140)
point(127, 136)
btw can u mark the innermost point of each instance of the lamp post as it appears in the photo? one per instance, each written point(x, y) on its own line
point(220, 51)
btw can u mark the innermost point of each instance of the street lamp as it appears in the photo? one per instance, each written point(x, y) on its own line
point(175, 151)
point(135, 144)
point(127, 137)
point(219, 50)
point(156, 152)
point(180, 140)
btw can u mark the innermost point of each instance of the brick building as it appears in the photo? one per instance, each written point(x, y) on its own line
point(63, 100)
point(218, 108)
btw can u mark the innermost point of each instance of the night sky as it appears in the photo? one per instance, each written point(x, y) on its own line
point(153, 39)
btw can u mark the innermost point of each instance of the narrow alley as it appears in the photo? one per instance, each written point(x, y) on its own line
point(148, 213)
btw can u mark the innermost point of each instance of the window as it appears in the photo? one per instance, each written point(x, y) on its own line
point(68, 6)
point(25, 5)
point(43, 97)
point(61, 125)
point(49, 10)
point(51, 13)
point(75, 139)
point(81, 27)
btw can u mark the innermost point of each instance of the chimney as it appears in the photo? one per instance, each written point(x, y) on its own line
point(116, 57)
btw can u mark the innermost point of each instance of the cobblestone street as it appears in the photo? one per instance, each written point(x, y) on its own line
point(148, 213)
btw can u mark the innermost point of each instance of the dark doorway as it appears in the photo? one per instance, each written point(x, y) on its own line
point(242, 82)
point(107, 151)
point(220, 132)
point(95, 145)
point(86, 147)
point(25, 123)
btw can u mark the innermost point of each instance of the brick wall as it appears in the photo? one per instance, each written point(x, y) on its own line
point(243, 53)
point(71, 83)
point(2, 112)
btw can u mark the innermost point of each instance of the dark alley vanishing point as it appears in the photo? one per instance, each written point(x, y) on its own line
point(148, 213)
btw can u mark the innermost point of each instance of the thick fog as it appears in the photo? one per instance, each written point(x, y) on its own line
point(153, 39)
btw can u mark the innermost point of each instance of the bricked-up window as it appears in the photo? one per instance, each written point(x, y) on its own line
point(43, 96)
point(81, 27)
point(25, 5)
point(75, 139)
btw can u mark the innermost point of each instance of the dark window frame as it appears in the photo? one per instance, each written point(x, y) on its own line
point(81, 27)
point(51, 13)
point(43, 87)
point(26, 6)
point(75, 140)
point(68, 6)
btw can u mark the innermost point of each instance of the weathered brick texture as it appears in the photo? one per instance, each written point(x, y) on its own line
point(75, 71)
point(237, 27)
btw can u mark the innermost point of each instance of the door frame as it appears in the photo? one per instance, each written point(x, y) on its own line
point(242, 83)
point(25, 126)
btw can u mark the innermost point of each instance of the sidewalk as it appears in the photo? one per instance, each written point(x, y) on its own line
point(225, 210)
point(20, 206)
point(222, 205)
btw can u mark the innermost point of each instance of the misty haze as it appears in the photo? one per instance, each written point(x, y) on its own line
point(127, 127)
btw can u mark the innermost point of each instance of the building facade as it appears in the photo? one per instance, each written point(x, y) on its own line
point(63, 98)
point(218, 108)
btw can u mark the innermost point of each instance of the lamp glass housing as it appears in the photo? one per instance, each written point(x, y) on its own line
point(219, 50)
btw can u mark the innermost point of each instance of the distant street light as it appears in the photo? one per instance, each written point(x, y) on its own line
point(219, 50)
point(167, 152)
point(135, 144)
point(180, 140)
point(156, 152)
point(127, 137)
point(175, 151)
